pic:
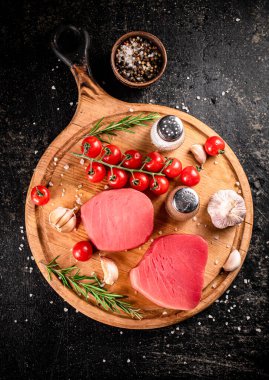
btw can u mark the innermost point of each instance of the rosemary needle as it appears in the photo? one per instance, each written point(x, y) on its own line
point(93, 286)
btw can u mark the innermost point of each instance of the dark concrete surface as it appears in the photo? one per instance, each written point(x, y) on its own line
point(218, 51)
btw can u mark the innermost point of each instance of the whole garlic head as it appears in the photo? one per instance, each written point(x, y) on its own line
point(63, 219)
point(226, 208)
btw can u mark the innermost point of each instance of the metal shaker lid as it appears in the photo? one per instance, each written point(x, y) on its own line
point(185, 200)
point(170, 128)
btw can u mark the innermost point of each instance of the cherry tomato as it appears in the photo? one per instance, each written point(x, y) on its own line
point(82, 251)
point(96, 172)
point(91, 146)
point(40, 195)
point(139, 181)
point(173, 169)
point(133, 159)
point(214, 145)
point(117, 178)
point(189, 176)
point(159, 185)
point(111, 154)
point(154, 162)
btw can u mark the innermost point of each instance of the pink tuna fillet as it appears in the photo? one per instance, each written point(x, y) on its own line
point(171, 273)
point(116, 220)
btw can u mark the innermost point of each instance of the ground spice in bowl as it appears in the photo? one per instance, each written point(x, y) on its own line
point(138, 59)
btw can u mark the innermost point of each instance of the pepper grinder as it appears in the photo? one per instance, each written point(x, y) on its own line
point(167, 133)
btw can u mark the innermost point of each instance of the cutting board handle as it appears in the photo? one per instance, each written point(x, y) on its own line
point(71, 45)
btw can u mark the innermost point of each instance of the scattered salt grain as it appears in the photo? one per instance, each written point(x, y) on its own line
point(30, 295)
point(223, 93)
point(27, 258)
point(65, 309)
point(32, 258)
point(31, 270)
point(258, 330)
point(237, 183)
point(216, 237)
point(237, 19)
point(151, 240)
point(104, 360)
point(234, 286)
point(51, 302)
point(177, 328)
point(58, 109)
point(53, 87)
point(21, 231)
point(239, 191)
point(198, 97)
point(106, 187)
point(164, 313)
point(177, 107)
point(228, 246)
point(216, 262)
point(216, 162)
point(245, 281)
point(80, 186)
point(61, 175)
point(199, 323)
point(50, 183)
point(226, 323)
point(173, 332)
point(20, 249)
point(210, 316)
point(15, 321)
point(198, 224)
point(36, 151)
point(188, 77)
point(26, 320)
point(239, 328)
point(248, 317)
point(175, 228)
point(128, 360)
point(131, 110)
point(55, 159)
point(185, 108)
point(66, 167)
point(194, 218)
point(71, 103)
point(160, 232)
point(81, 161)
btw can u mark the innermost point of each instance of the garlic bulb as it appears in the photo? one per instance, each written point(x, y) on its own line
point(226, 208)
point(199, 153)
point(233, 262)
point(110, 269)
point(63, 219)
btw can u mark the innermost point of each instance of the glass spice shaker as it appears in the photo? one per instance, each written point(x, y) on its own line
point(167, 133)
point(182, 203)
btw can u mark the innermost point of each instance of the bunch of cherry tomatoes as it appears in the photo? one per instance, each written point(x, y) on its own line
point(133, 161)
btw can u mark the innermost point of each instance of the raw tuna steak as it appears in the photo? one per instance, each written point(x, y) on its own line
point(171, 273)
point(116, 220)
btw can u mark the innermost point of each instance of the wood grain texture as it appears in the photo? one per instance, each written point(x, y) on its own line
point(46, 243)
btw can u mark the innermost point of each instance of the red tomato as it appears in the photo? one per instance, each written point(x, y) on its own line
point(117, 178)
point(139, 181)
point(189, 176)
point(40, 195)
point(154, 162)
point(111, 154)
point(214, 145)
point(96, 172)
point(82, 251)
point(91, 146)
point(173, 169)
point(133, 159)
point(159, 185)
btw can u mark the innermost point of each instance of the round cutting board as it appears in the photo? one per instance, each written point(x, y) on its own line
point(223, 172)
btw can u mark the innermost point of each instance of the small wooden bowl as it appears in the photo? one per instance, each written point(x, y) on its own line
point(149, 37)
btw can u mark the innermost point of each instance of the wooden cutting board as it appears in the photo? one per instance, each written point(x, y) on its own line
point(220, 173)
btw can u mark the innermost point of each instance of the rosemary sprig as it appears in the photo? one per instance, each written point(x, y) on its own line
point(79, 155)
point(93, 286)
point(124, 124)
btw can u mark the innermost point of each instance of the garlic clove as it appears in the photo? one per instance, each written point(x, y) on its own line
point(110, 269)
point(199, 153)
point(63, 219)
point(70, 225)
point(233, 262)
point(56, 215)
point(226, 209)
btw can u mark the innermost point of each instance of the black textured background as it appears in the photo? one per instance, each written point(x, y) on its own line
point(214, 48)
